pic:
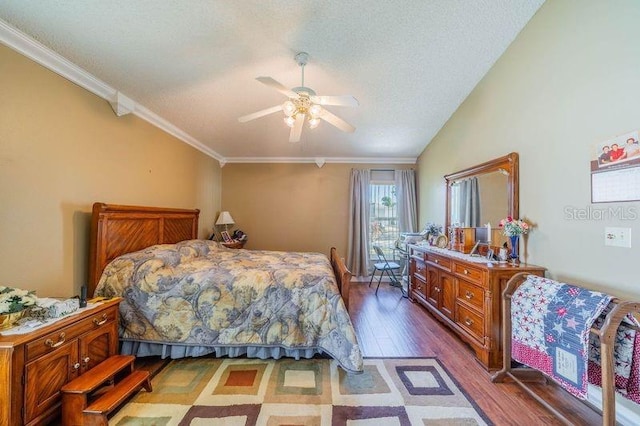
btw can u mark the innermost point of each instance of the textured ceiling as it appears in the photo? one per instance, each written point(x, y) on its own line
point(194, 63)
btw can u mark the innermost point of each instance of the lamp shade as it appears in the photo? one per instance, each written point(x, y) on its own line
point(225, 219)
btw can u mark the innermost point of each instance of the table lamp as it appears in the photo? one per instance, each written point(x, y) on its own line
point(225, 219)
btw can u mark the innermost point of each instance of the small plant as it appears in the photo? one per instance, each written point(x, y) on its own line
point(15, 300)
point(433, 229)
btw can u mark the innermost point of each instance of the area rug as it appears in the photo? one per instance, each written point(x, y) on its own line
point(315, 392)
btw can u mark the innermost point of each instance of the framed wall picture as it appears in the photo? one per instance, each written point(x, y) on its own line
point(226, 237)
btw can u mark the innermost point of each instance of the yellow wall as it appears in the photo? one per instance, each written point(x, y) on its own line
point(61, 149)
point(297, 207)
point(570, 79)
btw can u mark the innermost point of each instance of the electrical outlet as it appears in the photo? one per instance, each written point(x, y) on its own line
point(617, 237)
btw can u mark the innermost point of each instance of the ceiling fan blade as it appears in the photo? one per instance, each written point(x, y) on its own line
point(346, 100)
point(336, 121)
point(278, 86)
point(296, 130)
point(259, 114)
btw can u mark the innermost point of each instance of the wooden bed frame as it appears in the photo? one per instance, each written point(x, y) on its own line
point(117, 230)
point(343, 275)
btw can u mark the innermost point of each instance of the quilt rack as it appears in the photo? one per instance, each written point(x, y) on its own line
point(607, 334)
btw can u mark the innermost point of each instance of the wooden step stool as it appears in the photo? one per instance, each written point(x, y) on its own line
point(75, 411)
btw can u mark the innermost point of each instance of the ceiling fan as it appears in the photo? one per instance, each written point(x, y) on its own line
point(303, 104)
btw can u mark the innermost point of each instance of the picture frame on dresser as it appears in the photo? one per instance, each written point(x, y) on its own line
point(490, 254)
point(226, 237)
point(442, 241)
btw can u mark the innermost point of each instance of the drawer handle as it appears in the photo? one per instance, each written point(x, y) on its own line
point(437, 261)
point(97, 322)
point(468, 295)
point(466, 272)
point(60, 341)
point(86, 360)
point(76, 365)
point(468, 321)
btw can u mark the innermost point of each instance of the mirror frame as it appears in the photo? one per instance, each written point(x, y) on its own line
point(509, 163)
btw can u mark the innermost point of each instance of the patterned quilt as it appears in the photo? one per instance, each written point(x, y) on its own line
point(551, 333)
point(626, 354)
point(198, 293)
point(551, 323)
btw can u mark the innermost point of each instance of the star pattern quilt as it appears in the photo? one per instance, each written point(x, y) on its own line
point(626, 353)
point(551, 333)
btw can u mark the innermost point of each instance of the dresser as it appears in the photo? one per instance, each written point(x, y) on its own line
point(465, 295)
point(34, 366)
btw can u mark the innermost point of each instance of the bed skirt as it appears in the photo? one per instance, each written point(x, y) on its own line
point(173, 351)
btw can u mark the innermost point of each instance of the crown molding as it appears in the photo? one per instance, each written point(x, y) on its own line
point(122, 105)
point(57, 63)
point(343, 160)
point(36, 51)
point(163, 124)
point(51, 60)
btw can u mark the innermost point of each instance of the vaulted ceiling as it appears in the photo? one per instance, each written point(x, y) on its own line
point(410, 64)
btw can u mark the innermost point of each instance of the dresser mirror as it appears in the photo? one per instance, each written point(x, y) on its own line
point(483, 193)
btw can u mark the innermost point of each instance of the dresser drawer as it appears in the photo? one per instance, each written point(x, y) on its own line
point(419, 287)
point(471, 294)
point(420, 270)
point(470, 321)
point(57, 338)
point(417, 253)
point(467, 272)
point(440, 261)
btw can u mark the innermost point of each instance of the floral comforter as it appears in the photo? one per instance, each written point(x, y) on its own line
point(198, 293)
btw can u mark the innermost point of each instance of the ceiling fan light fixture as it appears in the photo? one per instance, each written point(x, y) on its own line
point(303, 104)
point(313, 122)
point(315, 110)
point(289, 121)
point(289, 108)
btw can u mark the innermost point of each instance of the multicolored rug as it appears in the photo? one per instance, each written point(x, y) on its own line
point(315, 392)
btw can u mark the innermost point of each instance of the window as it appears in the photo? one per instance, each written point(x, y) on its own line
point(383, 213)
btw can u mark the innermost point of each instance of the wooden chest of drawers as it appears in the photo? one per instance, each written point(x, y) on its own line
point(464, 295)
point(34, 366)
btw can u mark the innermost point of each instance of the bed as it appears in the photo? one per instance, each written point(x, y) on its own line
point(188, 297)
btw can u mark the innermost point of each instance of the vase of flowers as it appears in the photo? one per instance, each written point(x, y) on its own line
point(513, 228)
point(13, 303)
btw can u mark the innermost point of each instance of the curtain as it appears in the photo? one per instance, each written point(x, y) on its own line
point(358, 249)
point(470, 203)
point(405, 181)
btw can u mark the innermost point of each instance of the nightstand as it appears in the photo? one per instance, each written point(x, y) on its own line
point(234, 244)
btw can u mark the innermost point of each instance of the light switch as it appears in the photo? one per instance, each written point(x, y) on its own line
point(617, 237)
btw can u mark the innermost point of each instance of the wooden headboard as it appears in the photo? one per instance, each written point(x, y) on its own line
point(116, 230)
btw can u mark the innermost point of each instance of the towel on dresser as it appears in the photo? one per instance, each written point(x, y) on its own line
point(551, 322)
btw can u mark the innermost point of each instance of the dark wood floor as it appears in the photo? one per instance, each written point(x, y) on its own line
point(388, 326)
